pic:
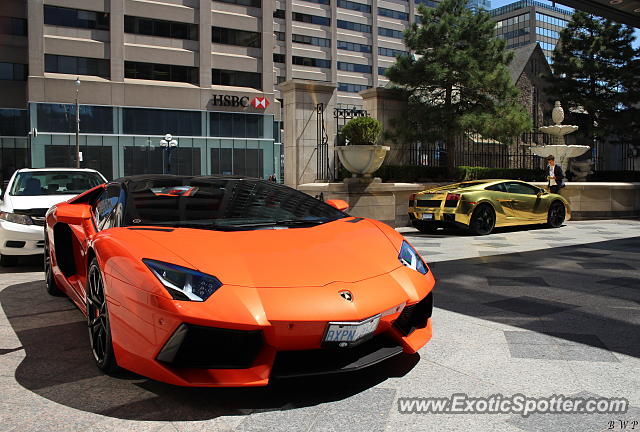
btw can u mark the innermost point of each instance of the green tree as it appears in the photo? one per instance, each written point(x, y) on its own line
point(457, 79)
point(596, 72)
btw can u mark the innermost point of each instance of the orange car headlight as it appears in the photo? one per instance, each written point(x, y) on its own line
point(183, 283)
point(411, 258)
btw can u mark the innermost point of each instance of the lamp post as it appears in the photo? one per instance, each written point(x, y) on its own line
point(77, 83)
point(168, 143)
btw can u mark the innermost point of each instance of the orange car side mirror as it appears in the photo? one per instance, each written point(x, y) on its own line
point(339, 204)
point(73, 214)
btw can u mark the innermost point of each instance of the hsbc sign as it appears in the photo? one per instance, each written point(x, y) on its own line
point(240, 101)
point(260, 102)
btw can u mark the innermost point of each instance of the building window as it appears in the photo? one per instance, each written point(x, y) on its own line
point(398, 34)
point(160, 28)
point(13, 71)
point(390, 13)
point(14, 122)
point(243, 38)
point(279, 13)
point(151, 160)
point(324, 2)
point(251, 3)
point(280, 79)
point(310, 61)
point(351, 5)
point(382, 70)
point(311, 40)
point(354, 67)
point(144, 121)
point(236, 125)
point(13, 26)
point(62, 118)
point(551, 20)
point(161, 72)
point(352, 46)
point(352, 88)
point(348, 25)
point(547, 32)
point(311, 19)
point(279, 35)
point(278, 58)
point(236, 78)
point(428, 3)
point(390, 52)
point(237, 161)
point(66, 17)
point(94, 157)
point(77, 65)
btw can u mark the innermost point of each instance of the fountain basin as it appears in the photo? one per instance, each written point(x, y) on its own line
point(558, 130)
point(561, 152)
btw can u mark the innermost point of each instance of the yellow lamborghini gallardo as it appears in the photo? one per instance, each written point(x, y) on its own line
point(481, 205)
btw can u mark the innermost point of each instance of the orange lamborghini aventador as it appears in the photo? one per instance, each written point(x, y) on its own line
point(221, 281)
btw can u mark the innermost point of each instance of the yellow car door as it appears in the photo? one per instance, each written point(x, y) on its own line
point(524, 200)
point(499, 195)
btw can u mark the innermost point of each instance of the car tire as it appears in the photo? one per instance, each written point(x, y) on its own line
point(556, 215)
point(8, 260)
point(98, 321)
point(483, 220)
point(425, 227)
point(49, 279)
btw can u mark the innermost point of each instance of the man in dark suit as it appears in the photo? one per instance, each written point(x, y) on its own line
point(555, 175)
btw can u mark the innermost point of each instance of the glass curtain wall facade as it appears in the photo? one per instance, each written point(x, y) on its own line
point(526, 22)
point(120, 141)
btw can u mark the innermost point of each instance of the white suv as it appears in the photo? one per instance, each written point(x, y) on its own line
point(28, 196)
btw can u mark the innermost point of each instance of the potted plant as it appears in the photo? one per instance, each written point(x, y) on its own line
point(362, 156)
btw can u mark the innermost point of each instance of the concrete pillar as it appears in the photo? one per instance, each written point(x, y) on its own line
point(300, 123)
point(288, 39)
point(386, 105)
point(116, 24)
point(205, 21)
point(268, 45)
point(374, 44)
point(35, 13)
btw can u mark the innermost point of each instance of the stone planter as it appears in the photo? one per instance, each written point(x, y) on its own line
point(362, 160)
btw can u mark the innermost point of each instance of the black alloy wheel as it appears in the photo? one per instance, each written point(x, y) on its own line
point(483, 220)
point(49, 280)
point(557, 214)
point(98, 321)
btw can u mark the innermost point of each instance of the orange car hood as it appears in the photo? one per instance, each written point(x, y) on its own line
point(337, 251)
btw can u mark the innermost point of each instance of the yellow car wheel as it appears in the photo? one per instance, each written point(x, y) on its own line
point(556, 215)
point(483, 220)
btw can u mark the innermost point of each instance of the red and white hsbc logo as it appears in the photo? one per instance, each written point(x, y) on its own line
point(260, 102)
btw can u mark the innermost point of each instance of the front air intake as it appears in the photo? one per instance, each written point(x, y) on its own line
point(199, 347)
point(415, 316)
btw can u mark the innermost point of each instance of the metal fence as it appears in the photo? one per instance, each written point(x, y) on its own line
point(474, 150)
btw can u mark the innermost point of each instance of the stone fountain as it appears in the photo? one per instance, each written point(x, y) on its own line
point(559, 149)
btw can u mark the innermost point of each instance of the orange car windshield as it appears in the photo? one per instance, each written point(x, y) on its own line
point(219, 203)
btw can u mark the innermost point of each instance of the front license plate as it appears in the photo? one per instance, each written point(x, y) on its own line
point(427, 216)
point(351, 332)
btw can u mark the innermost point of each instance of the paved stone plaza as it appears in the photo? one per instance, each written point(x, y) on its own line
point(528, 310)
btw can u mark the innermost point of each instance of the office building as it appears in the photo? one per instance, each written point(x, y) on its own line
point(190, 68)
point(480, 4)
point(527, 22)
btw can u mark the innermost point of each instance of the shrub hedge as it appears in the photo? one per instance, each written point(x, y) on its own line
point(418, 173)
